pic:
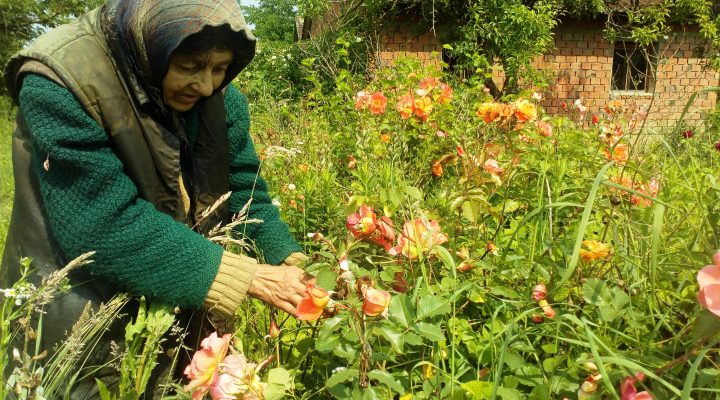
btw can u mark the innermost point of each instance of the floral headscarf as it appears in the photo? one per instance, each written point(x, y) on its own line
point(143, 34)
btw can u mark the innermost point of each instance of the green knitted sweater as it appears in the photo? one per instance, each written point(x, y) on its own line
point(92, 205)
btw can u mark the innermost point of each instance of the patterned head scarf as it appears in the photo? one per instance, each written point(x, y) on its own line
point(144, 33)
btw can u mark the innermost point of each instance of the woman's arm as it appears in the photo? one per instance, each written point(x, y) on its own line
point(272, 237)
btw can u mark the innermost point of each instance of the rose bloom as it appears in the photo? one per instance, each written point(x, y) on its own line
point(203, 368)
point(362, 223)
point(613, 106)
point(525, 111)
point(506, 111)
point(437, 169)
point(352, 163)
point(428, 84)
point(375, 302)
point(493, 167)
point(377, 103)
point(620, 153)
point(365, 225)
point(422, 107)
point(545, 128)
point(709, 281)
point(547, 308)
point(405, 106)
point(362, 100)
point(593, 250)
point(417, 237)
point(445, 93)
point(313, 304)
point(539, 292)
point(238, 377)
point(628, 391)
point(489, 112)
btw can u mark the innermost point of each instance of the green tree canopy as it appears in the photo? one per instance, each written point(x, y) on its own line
point(274, 20)
point(23, 20)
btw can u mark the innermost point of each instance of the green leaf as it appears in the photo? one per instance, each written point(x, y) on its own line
point(392, 335)
point(432, 332)
point(550, 364)
point(280, 376)
point(477, 390)
point(514, 361)
point(327, 344)
point(103, 390)
point(401, 310)
point(509, 394)
point(413, 192)
point(430, 305)
point(412, 339)
point(550, 348)
point(504, 292)
point(444, 255)
point(476, 296)
point(347, 351)
point(706, 324)
point(327, 279)
point(386, 379)
point(329, 326)
point(610, 301)
point(340, 376)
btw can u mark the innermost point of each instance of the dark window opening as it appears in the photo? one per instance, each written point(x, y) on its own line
point(632, 67)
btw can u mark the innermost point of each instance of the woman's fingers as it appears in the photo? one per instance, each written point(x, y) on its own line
point(280, 286)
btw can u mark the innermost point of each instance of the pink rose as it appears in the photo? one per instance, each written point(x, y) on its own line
point(203, 368)
point(709, 280)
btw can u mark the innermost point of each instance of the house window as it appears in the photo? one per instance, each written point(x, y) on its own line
point(632, 68)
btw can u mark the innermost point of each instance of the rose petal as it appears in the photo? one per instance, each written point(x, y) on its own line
point(709, 297)
point(710, 275)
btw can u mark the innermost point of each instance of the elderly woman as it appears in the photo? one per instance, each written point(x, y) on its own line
point(128, 130)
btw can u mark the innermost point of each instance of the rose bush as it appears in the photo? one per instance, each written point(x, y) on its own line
point(493, 196)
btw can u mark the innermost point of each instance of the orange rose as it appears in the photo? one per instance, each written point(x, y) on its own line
point(312, 306)
point(525, 111)
point(422, 107)
point(593, 250)
point(406, 106)
point(376, 302)
point(377, 103)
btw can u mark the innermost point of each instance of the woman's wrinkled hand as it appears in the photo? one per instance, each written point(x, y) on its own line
point(281, 286)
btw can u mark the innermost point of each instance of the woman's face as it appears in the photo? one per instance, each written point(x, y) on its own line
point(192, 77)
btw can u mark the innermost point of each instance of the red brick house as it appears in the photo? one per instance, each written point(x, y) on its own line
point(586, 66)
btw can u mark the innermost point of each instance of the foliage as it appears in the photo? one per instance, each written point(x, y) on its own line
point(21, 322)
point(143, 339)
point(23, 20)
point(484, 36)
point(615, 230)
point(7, 183)
point(274, 21)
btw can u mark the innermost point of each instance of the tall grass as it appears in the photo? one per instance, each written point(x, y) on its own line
point(6, 176)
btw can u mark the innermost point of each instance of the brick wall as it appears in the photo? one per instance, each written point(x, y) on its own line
point(403, 40)
point(582, 62)
point(581, 65)
point(582, 68)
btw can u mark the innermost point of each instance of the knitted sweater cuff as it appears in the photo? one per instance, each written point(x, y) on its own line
point(295, 259)
point(231, 284)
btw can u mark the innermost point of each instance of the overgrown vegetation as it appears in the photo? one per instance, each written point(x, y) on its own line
point(468, 247)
